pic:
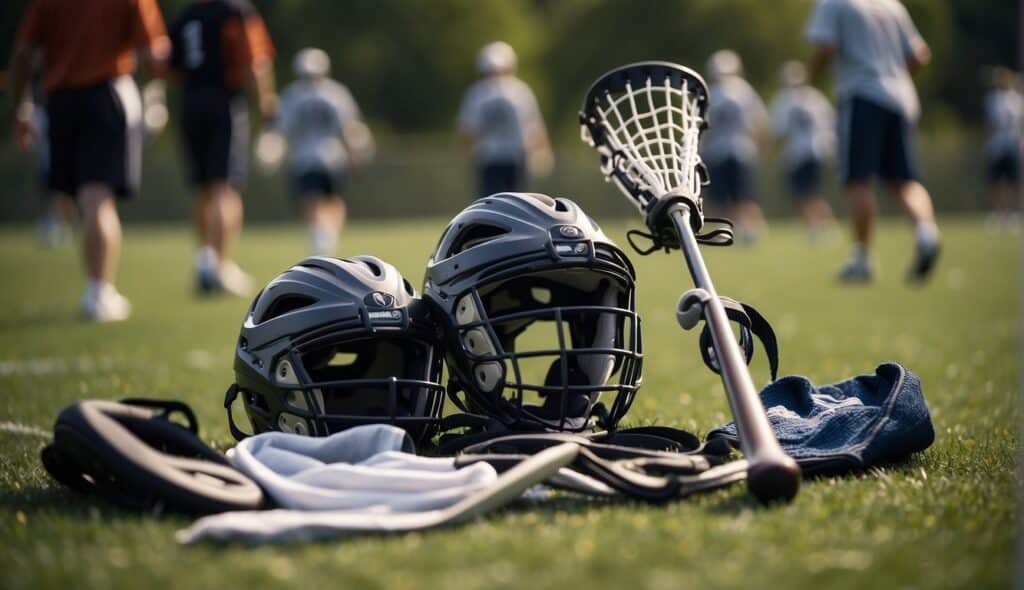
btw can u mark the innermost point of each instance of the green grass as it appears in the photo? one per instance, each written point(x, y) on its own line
point(945, 519)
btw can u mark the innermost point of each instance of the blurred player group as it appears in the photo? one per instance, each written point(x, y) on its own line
point(89, 136)
point(871, 134)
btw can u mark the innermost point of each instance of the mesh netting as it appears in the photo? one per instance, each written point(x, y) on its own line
point(649, 136)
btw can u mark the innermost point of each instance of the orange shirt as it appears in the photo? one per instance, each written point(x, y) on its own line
point(86, 42)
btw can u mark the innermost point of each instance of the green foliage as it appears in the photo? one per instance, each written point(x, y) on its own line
point(945, 519)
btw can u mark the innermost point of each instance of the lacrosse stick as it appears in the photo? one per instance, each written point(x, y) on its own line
point(645, 121)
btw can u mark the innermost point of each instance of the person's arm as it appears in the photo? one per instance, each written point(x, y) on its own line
point(919, 58)
point(22, 60)
point(355, 134)
point(261, 66)
point(820, 59)
point(149, 35)
point(24, 130)
point(540, 157)
point(915, 51)
point(823, 32)
point(465, 122)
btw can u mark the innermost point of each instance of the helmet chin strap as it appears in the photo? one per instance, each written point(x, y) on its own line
point(571, 405)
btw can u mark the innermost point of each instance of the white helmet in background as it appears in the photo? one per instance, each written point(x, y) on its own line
point(792, 74)
point(311, 63)
point(496, 58)
point(723, 63)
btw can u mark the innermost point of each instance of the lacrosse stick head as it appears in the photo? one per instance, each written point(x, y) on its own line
point(645, 120)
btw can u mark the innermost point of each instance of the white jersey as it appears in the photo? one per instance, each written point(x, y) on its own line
point(873, 41)
point(803, 118)
point(313, 116)
point(499, 112)
point(736, 115)
point(1004, 115)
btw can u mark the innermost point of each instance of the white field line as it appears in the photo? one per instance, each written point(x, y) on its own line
point(43, 366)
point(23, 429)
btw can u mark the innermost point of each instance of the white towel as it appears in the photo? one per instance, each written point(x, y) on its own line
point(352, 477)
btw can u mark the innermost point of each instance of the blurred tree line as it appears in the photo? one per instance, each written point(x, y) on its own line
point(409, 61)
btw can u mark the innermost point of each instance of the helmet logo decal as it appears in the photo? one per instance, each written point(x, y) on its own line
point(380, 299)
point(570, 231)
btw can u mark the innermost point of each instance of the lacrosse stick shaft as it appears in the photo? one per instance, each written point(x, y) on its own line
point(772, 475)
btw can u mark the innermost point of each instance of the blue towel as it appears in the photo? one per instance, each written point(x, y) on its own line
point(862, 422)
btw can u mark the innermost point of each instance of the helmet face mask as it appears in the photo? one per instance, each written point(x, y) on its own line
point(360, 350)
point(542, 332)
point(550, 344)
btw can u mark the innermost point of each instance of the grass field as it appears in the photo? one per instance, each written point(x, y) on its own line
point(943, 520)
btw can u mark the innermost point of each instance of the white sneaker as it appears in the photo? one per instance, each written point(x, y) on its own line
point(105, 305)
point(234, 280)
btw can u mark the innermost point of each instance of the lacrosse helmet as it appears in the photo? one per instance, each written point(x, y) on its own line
point(496, 58)
point(311, 63)
point(334, 343)
point(724, 63)
point(537, 306)
point(793, 74)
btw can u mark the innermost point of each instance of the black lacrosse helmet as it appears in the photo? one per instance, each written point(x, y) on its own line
point(335, 343)
point(538, 308)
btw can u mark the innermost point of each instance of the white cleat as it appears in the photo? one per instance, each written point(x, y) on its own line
point(106, 305)
point(234, 280)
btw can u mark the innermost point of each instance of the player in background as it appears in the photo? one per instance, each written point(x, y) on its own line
point(58, 217)
point(501, 123)
point(94, 113)
point(219, 46)
point(737, 120)
point(326, 139)
point(804, 120)
point(876, 48)
point(1004, 117)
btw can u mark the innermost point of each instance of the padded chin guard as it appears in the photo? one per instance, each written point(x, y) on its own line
point(132, 455)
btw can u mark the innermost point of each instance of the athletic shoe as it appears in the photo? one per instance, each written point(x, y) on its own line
point(925, 256)
point(51, 232)
point(207, 276)
point(208, 282)
point(856, 271)
point(234, 281)
point(105, 305)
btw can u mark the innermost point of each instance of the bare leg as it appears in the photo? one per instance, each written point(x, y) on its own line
point(822, 211)
point(224, 218)
point(749, 220)
point(806, 209)
point(863, 211)
point(915, 201)
point(219, 221)
point(325, 216)
point(101, 232)
point(917, 204)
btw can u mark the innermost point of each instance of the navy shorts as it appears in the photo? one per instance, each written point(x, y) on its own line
point(501, 177)
point(876, 141)
point(316, 183)
point(732, 181)
point(95, 135)
point(1004, 168)
point(804, 179)
point(215, 127)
